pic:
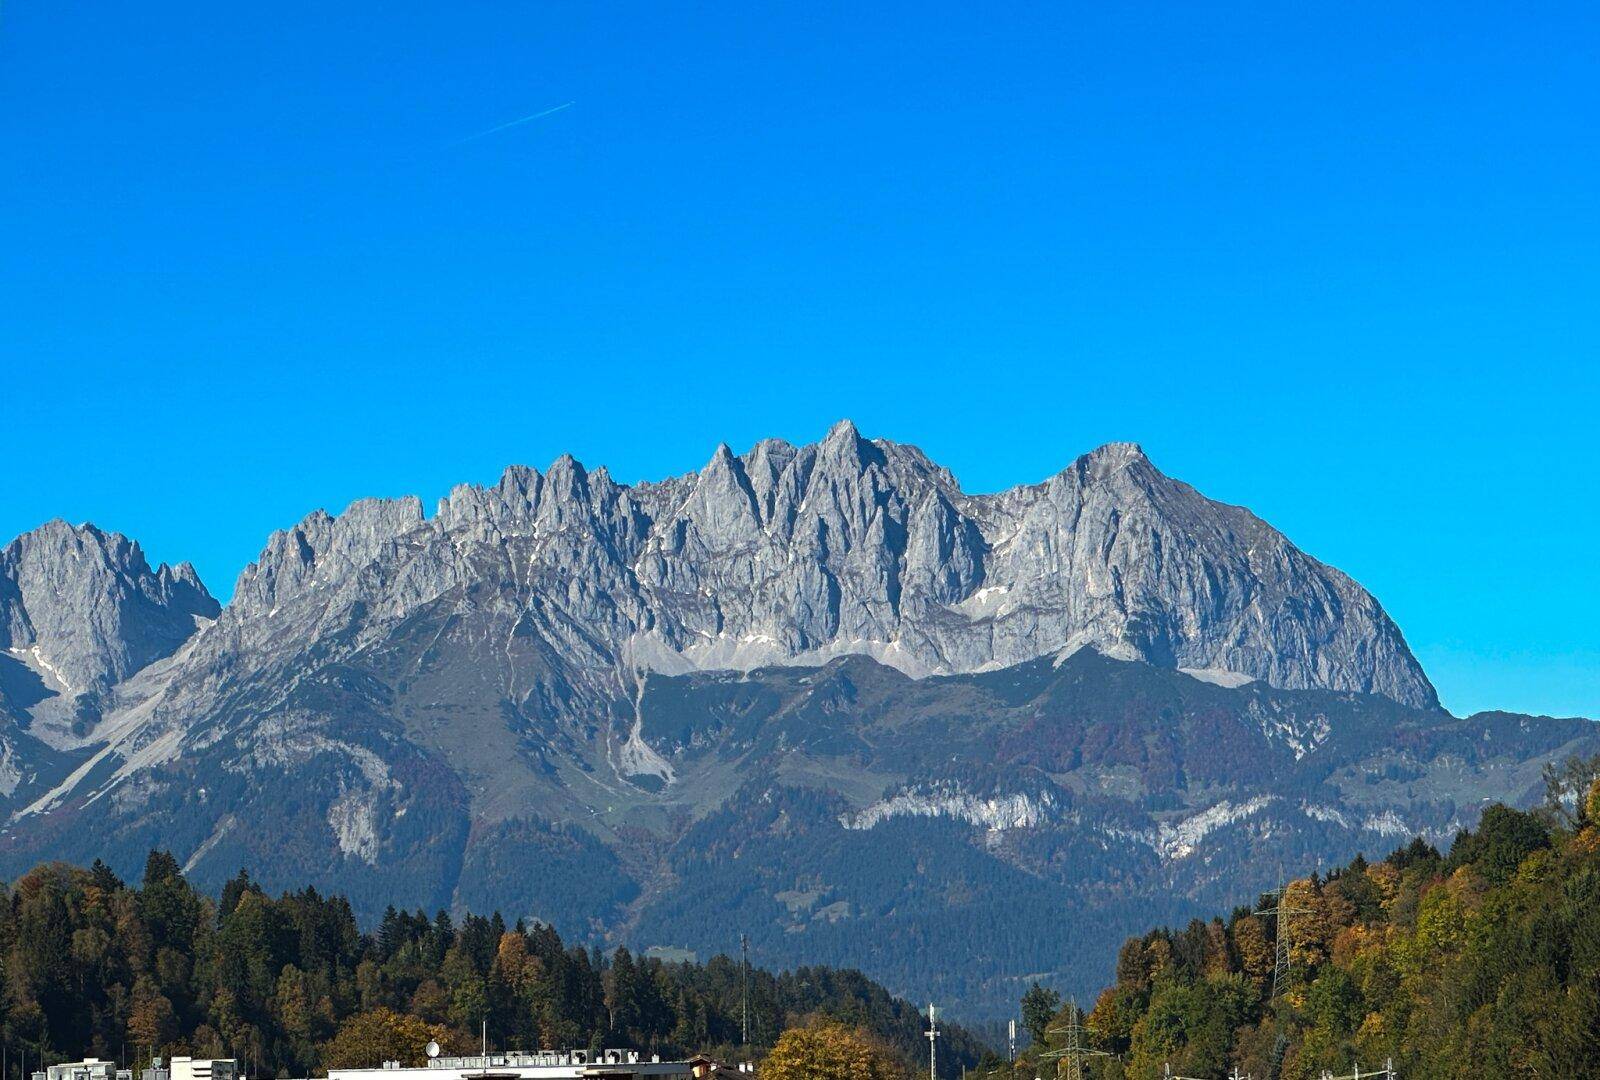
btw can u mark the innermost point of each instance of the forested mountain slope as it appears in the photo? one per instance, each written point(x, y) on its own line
point(1483, 961)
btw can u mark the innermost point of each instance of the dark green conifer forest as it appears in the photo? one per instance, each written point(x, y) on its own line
point(94, 966)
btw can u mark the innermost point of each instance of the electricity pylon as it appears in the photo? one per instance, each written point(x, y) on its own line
point(1281, 969)
point(1073, 1053)
point(1281, 941)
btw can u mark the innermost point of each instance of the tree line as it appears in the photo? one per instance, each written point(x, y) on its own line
point(290, 985)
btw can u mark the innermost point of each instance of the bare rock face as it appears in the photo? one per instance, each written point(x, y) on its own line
point(797, 554)
point(84, 609)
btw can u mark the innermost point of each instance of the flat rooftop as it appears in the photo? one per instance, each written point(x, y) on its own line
point(532, 1065)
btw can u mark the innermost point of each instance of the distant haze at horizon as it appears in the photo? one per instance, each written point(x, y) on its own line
point(1338, 269)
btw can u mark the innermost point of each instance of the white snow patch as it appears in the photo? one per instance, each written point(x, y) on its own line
point(987, 602)
point(745, 652)
point(55, 672)
point(32, 658)
point(1218, 676)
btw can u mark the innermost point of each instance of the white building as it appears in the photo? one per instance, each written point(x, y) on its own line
point(204, 1069)
point(543, 1065)
point(88, 1069)
point(186, 1068)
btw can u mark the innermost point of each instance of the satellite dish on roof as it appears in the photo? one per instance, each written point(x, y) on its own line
point(432, 1049)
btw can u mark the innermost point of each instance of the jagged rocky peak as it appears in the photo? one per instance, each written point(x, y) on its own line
point(793, 554)
point(324, 549)
point(1111, 457)
point(851, 545)
point(723, 504)
point(84, 609)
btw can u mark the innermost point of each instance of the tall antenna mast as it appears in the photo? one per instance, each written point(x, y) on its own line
point(744, 988)
point(933, 1036)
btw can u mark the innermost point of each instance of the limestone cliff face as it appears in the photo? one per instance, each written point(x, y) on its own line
point(795, 554)
point(83, 609)
point(526, 615)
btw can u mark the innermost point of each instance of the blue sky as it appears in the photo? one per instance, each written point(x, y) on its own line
point(1339, 263)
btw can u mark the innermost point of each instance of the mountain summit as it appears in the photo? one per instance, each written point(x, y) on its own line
point(88, 609)
point(796, 554)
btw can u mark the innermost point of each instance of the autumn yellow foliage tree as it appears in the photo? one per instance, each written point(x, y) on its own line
point(368, 1039)
point(826, 1050)
point(1255, 950)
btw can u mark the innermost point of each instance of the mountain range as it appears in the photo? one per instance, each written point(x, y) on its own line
point(816, 694)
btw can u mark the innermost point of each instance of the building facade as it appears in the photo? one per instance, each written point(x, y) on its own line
point(544, 1065)
point(187, 1068)
point(88, 1069)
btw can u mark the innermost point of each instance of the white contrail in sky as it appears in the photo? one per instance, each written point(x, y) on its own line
point(523, 120)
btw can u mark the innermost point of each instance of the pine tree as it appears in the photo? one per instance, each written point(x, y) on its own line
point(1039, 1007)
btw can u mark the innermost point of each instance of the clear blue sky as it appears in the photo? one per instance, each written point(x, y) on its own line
point(1339, 263)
